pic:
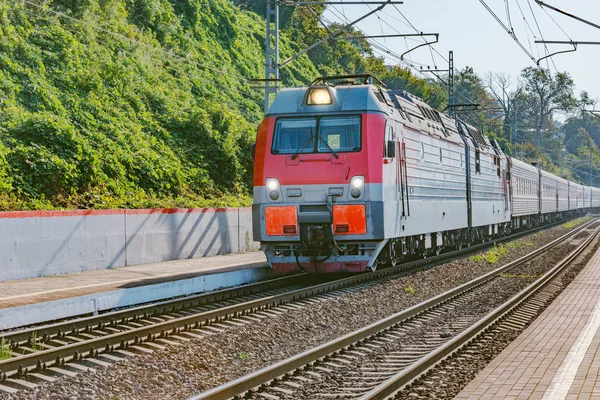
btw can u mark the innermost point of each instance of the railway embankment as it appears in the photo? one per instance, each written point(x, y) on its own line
point(183, 369)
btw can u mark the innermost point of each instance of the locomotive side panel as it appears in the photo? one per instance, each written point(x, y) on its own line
point(437, 193)
point(393, 189)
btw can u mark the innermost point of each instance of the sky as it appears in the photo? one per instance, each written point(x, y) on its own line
point(479, 41)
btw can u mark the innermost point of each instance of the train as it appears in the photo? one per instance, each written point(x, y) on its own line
point(350, 176)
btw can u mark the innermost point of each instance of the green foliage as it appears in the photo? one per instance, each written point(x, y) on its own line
point(154, 113)
point(575, 222)
point(33, 342)
point(410, 290)
point(518, 244)
point(5, 350)
point(477, 258)
point(492, 256)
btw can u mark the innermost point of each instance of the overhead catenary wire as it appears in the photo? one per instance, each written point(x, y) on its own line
point(557, 24)
point(508, 30)
point(508, 18)
point(461, 96)
point(527, 27)
point(542, 36)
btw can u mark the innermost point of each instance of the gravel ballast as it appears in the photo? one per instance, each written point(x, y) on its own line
point(188, 368)
point(451, 376)
point(347, 377)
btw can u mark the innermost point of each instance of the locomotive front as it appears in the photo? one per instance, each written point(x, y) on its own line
point(317, 179)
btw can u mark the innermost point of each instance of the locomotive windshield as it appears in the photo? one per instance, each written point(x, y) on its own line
point(317, 135)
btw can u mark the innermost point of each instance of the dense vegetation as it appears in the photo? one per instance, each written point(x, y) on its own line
point(147, 103)
point(135, 103)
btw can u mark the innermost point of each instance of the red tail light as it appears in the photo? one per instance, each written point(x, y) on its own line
point(281, 221)
point(350, 219)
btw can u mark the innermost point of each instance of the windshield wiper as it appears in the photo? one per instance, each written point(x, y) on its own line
point(300, 149)
point(329, 147)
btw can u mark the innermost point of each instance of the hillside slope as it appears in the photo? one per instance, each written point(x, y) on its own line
point(129, 103)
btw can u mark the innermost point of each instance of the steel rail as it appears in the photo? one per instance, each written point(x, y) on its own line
point(404, 377)
point(174, 305)
point(59, 329)
point(264, 375)
point(39, 360)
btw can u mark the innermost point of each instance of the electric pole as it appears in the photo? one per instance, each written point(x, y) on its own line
point(451, 83)
point(272, 65)
point(272, 52)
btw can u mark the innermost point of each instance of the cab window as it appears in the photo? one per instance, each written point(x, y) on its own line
point(317, 134)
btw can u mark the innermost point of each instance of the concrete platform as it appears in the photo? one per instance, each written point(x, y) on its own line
point(36, 300)
point(557, 356)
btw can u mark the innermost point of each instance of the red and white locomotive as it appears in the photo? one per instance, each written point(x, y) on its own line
point(349, 176)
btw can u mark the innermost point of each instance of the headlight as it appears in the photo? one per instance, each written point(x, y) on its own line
point(357, 182)
point(319, 96)
point(273, 188)
point(272, 184)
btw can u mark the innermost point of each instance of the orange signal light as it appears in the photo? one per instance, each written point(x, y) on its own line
point(350, 219)
point(281, 220)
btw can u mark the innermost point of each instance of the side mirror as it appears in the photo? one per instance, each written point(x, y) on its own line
point(391, 148)
point(253, 150)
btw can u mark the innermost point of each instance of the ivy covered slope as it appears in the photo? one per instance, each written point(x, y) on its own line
point(129, 103)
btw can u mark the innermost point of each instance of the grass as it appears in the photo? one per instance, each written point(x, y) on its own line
point(243, 356)
point(33, 342)
point(493, 256)
point(410, 290)
point(477, 258)
point(572, 224)
point(5, 350)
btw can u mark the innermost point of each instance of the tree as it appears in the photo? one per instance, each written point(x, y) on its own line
point(547, 93)
point(470, 89)
point(511, 101)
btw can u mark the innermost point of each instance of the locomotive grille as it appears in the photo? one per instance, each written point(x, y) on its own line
point(342, 228)
point(290, 230)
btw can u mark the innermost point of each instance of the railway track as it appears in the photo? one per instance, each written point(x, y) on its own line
point(41, 354)
point(378, 360)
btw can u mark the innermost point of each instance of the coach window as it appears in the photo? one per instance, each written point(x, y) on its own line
point(477, 162)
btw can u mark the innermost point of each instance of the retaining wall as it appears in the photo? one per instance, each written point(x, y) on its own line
point(45, 243)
